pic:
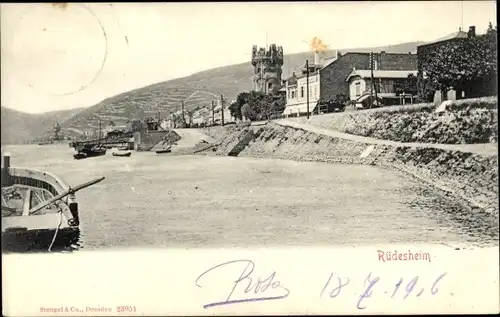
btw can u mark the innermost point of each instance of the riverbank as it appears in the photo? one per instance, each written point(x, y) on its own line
point(466, 121)
point(469, 178)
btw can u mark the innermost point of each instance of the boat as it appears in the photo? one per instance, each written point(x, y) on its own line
point(92, 152)
point(166, 150)
point(79, 156)
point(39, 211)
point(47, 142)
point(122, 154)
point(123, 148)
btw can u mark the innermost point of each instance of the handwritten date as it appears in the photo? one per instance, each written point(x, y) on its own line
point(333, 287)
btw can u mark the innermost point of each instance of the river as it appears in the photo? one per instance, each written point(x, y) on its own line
point(150, 200)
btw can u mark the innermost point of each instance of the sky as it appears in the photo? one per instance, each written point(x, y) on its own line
point(57, 58)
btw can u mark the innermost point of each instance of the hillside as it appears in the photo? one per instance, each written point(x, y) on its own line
point(165, 97)
point(20, 127)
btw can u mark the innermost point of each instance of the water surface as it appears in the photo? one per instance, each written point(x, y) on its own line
point(199, 201)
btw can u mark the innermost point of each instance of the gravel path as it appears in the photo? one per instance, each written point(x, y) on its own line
point(486, 149)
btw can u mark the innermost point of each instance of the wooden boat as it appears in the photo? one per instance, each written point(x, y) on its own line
point(167, 150)
point(123, 148)
point(39, 211)
point(92, 152)
point(79, 156)
point(122, 154)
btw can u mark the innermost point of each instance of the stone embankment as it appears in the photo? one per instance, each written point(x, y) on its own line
point(167, 139)
point(469, 177)
point(466, 121)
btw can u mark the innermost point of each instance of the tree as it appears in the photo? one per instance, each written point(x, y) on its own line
point(248, 112)
point(241, 100)
point(466, 64)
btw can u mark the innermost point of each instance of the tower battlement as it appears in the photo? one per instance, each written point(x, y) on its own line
point(273, 55)
point(267, 65)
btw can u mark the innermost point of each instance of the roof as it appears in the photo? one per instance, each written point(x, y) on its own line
point(455, 35)
point(366, 73)
point(327, 62)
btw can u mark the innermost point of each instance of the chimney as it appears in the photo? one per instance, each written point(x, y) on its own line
point(316, 58)
point(472, 31)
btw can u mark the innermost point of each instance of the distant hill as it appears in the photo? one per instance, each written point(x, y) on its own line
point(165, 97)
point(20, 127)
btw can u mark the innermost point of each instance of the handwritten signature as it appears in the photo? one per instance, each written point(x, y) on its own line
point(250, 288)
point(369, 284)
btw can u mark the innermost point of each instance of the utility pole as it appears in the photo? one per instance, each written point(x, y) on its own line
point(213, 112)
point(375, 86)
point(307, 86)
point(99, 128)
point(183, 118)
point(371, 79)
point(222, 109)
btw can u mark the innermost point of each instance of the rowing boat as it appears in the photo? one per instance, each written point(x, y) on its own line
point(39, 211)
point(127, 154)
point(165, 150)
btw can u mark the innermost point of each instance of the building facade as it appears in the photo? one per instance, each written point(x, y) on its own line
point(267, 65)
point(328, 78)
point(389, 85)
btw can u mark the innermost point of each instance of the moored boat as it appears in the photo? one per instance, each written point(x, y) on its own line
point(90, 152)
point(127, 154)
point(39, 211)
point(165, 150)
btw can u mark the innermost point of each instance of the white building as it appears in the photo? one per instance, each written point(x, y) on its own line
point(296, 88)
point(385, 82)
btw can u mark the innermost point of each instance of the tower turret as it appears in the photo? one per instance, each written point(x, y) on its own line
point(267, 65)
point(56, 129)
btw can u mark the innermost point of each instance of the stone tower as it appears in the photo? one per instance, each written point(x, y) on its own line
point(267, 68)
point(57, 130)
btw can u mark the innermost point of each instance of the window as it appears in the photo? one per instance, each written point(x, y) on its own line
point(358, 89)
point(301, 91)
point(293, 94)
point(269, 86)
